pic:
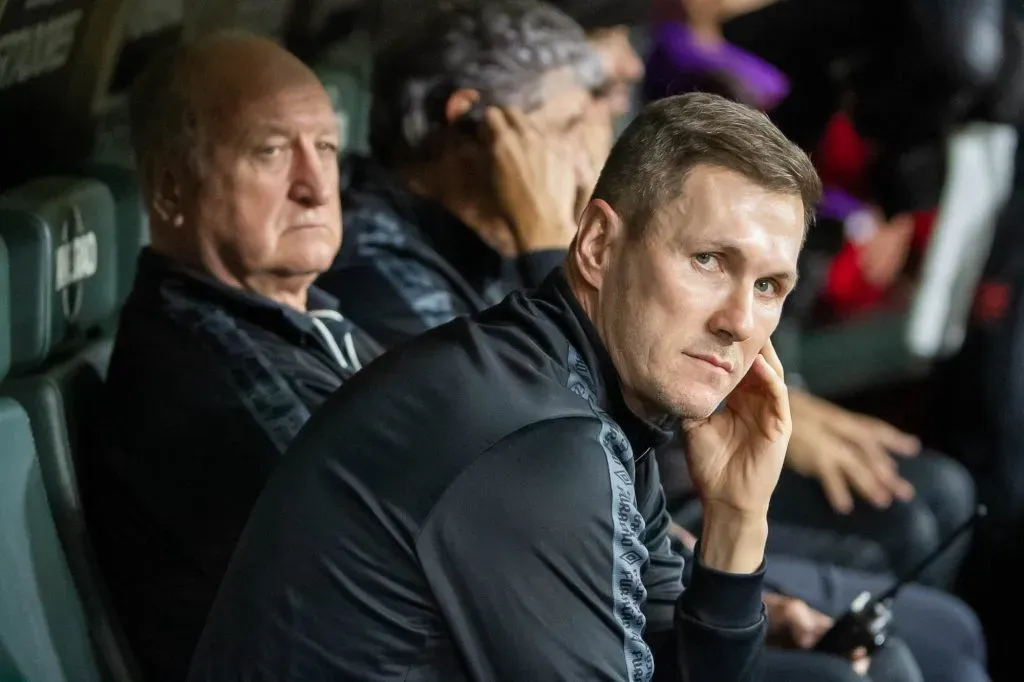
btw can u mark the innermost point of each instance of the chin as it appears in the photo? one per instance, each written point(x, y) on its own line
point(700, 403)
point(313, 258)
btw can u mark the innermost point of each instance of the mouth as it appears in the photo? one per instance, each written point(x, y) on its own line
point(717, 363)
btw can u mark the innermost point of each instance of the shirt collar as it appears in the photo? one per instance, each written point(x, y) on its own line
point(156, 271)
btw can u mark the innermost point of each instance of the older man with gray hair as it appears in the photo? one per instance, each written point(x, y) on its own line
point(479, 165)
point(224, 347)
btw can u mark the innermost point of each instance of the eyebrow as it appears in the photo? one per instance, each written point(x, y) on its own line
point(269, 128)
point(789, 276)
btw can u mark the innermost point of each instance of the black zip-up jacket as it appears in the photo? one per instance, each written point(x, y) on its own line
point(479, 504)
point(207, 387)
point(407, 264)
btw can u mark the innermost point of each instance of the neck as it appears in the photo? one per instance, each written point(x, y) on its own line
point(287, 290)
point(462, 197)
point(587, 298)
point(290, 291)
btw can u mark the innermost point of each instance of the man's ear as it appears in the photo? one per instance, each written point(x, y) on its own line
point(166, 197)
point(459, 104)
point(599, 236)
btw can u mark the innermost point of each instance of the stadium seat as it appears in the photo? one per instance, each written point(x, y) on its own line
point(113, 133)
point(345, 73)
point(43, 631)
point(894, 346)
point(42, 621)
point(8, 671)
point(61, 240)
point(131, 220)
point(63, 300)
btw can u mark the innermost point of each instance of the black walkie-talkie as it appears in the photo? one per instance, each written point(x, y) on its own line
point(866, 624)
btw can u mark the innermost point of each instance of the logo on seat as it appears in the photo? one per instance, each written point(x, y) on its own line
point(76, 260)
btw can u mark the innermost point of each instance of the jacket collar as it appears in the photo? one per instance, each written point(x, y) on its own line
point(445, 233)
point(157, 274)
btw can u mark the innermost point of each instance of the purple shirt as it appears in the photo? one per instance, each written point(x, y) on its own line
point(678, 64)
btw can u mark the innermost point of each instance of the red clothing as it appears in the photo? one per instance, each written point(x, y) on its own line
point(842, 160)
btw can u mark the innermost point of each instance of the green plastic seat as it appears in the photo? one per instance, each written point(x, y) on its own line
point(61, 235)
point(43, 630)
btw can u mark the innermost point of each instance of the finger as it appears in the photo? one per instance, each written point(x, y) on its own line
point(833, 484)
point(885, 436)
point(773, 360)
point(861, 662)
point(885, 471)
point(586, 174)
point(864, 481)
point(896, 441)
point(877, 458)
point(775, 418)
point(497, 128)
point(807, 624)
point(517, 120)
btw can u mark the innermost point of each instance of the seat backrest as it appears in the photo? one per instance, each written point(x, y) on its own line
point(8, 670)
point(65, 406)
point(5, 311)
point(345, 73)
point(60, 385)
point(42, 621)
point(43, 631)
point(61, 241)
point(131, 220)
point(977, 188)
point(112, 144)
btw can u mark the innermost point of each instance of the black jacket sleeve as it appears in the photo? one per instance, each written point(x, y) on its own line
point(718, 612)
point(543, 569)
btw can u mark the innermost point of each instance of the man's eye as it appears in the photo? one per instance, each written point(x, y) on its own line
point(268, 151)
point(766, 286)
point(705, 260)
point(328, 147)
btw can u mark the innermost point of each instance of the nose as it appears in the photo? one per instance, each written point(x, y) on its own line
point(312, 173)
point(733, 322)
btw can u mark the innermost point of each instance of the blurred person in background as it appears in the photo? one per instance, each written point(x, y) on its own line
point(484, 149)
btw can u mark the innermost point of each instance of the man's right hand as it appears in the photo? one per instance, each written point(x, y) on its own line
point(535, 178)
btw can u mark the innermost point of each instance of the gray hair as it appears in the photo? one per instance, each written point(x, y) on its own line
point(163, 122)
point(501, 48)
point(672, 136)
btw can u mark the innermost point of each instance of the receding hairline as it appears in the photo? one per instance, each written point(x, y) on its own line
point(241, 65)
point(649, 211)
point(656, 214)
point(219, 70)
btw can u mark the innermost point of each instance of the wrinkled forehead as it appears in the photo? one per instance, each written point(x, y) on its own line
point(298, 107)
point(725, 210)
